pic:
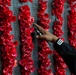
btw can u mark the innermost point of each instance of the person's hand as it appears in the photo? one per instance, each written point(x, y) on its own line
point(46, 35)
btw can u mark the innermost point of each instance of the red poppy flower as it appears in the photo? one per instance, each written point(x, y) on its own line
point(5, 2)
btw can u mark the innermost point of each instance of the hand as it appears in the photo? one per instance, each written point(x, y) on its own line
point(46, 35)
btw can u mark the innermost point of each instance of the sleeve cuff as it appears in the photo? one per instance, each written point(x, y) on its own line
point(59, 42)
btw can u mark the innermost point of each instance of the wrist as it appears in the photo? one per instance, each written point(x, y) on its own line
point(55, 38)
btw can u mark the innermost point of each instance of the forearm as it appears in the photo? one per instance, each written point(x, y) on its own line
point(54, 39)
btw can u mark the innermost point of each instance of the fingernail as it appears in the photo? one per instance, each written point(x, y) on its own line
point(37, 36)
point(34, 23)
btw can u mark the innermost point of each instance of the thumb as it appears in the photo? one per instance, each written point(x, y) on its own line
point(41, 36)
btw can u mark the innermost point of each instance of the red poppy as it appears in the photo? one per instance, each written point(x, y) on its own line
point(5, 2)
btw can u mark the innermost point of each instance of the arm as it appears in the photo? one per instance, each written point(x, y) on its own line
point(67, 52)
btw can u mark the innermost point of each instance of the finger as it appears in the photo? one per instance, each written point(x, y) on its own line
point(41, 36)
point(40, 28)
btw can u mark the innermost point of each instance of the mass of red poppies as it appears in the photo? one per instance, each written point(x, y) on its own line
point(26, 20)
